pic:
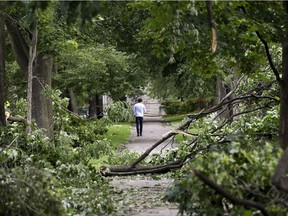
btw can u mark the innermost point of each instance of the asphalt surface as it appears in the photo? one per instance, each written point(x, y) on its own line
point(150, 190)
point(153, 130)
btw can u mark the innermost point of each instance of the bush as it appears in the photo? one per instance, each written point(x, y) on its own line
point(27, 191)
point(171, 108)
point(181, 107)
point(39, 177)
point(119, 111)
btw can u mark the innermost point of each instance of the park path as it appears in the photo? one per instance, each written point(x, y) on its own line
point(144, 193)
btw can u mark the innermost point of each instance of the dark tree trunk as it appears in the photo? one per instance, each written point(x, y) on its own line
point(284, 97)
point(99, 105)
point(93, 107)
point(221, 93)
point(280, 178)
point(19, 45)
point(41, 104)
point(2, 67)
point(222, 90)
point(212, 25)
point(72, 100)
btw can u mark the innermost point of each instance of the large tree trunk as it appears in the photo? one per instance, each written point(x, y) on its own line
point(223, 90)
point(284, 97)
point(280, 178)
point(42, 71)
point(32, 56)
point(2, 67)
point(41, 104)
point(221, 93)
point(72, 100)
point(19, 45)
point(99, 105)
point(93, 107)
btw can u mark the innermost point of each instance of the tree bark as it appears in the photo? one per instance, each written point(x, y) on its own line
point(221, 93)
point(2, 66)
point(72, 100)
point(93, 107)
point(42, 104)
point(280, 177)
point(284, 97)
point(32, 55)
point(19, 45)
point(99, 105)
point(212, 26)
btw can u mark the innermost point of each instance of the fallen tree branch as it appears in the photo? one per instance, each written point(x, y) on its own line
point(17, 119)
point(124, 170)
point(255, 94)
point(229, 196)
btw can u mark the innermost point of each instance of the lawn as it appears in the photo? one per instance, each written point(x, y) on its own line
point(177, 120)
point(117, 135)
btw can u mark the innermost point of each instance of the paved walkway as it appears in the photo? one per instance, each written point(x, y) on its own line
point(153, 130)
point(146, 191)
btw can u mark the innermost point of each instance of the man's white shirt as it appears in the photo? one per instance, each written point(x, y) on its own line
point(139, 109)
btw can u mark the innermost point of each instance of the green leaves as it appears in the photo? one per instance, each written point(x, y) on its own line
point(119, 111)
point(98, 70)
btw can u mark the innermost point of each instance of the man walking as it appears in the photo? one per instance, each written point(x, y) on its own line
point(138, 110)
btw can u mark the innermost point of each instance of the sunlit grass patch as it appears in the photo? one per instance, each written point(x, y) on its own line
point(118, 134)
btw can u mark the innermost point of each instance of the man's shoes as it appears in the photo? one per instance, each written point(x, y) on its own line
point(137, 135)
point(140, 134)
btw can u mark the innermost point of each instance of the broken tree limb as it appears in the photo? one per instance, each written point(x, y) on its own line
point(229, 196)
point(123, 171)
point(164, 138)
point(256, 94)
point(17, 119)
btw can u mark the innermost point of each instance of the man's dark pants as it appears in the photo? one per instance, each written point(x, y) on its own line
point(139, 125)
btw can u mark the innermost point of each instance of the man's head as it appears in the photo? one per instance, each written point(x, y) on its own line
point(139, 100)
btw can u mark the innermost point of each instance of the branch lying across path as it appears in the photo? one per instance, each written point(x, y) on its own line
point(255, 94)
point(121, 171)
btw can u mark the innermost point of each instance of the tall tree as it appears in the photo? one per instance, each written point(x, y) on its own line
point(280, 178)
point(2, 66)
point(42, 68)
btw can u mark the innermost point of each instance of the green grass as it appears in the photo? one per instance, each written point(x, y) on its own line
point(177, 120)
point(174, 118)
point(117, 135)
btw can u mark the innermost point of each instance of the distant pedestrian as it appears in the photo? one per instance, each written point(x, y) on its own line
point(138, 110)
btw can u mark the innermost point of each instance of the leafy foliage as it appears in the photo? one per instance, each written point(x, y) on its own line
point(181, 107)
point(243, 167)
point(46, 175)
point(119, 111)
point(28, 191)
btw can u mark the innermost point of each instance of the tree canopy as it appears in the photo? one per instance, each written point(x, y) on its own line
point(57, 54)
